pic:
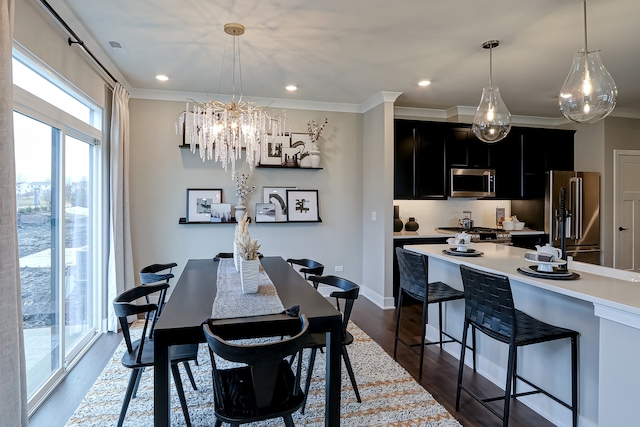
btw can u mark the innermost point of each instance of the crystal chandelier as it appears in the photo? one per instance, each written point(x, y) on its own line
point(220, 131)
point(589, 93)
point(492, 121)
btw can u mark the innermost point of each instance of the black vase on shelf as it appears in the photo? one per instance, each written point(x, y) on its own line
point(397, 222)
point(411, 225)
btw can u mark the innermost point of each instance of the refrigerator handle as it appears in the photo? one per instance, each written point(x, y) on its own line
point(574, 192)
point(580, 213)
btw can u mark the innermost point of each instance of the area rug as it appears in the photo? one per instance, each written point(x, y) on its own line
point(390, 396)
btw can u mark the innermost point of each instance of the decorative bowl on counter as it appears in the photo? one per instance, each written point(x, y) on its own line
point(518, 225)
point(508, 225)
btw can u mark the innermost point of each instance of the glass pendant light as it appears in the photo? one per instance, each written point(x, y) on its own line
point(492, 121)
point(589, 93)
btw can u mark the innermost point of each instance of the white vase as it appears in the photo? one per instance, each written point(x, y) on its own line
point(249, 275)
point(236, 258)
point(314, 157)
point(240, 211)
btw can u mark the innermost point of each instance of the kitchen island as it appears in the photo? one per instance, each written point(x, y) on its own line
point(603, 305)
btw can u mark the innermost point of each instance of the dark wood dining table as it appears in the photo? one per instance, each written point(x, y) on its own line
point(190, 305)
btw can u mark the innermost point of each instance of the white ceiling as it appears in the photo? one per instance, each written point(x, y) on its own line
point(346, 51)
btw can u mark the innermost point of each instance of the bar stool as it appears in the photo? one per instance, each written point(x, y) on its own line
point(489, 307)
point(414, 276)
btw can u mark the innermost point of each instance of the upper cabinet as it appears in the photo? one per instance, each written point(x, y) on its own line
point(420, 171)
point(425, 152)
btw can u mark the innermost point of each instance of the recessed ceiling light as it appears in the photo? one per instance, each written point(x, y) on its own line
point(291, 88)
point(424, 83)
point(162, 77)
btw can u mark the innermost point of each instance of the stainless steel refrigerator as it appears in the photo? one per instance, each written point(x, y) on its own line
point(582, 202)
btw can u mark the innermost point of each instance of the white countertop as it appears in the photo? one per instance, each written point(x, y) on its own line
point(437, 233)
point(610, 288)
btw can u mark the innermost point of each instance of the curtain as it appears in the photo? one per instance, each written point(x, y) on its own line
point(120, 274)
point(13, 387)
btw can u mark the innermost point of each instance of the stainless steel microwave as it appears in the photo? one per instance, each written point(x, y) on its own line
point(473, 183)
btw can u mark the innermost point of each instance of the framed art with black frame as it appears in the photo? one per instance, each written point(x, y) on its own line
point(272, 155)
point(277, 196)
point(199, 201)
point(302, 206)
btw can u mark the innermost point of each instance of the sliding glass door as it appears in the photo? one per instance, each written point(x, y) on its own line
point(57, 157)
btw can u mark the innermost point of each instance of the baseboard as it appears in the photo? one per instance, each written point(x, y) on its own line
point(384, 303)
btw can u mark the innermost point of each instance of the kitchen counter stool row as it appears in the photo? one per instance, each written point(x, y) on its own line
point(490, 309)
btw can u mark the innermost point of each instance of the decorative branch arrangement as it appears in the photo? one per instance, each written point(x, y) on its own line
point(315, 131)
point(242, 187)
point(246, 247)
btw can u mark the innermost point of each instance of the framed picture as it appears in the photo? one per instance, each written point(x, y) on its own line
point(273, 154)
point(302, 141)
point(277, 196)
point(220, 212)
point(265, 212)
point(302, 205)
point(199, 201)
point(290, 157)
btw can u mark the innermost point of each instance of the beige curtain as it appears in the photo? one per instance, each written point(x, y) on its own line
point(120, 269)
point(13, 387)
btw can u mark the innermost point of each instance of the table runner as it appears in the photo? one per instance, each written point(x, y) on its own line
point(230, 302)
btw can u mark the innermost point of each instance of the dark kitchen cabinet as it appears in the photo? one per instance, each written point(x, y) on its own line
point(425, 152)
point(420, 171)
point(464, 150)
point(505, 157)
point(544, 150)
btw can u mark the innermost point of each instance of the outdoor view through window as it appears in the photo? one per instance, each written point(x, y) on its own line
point(55, 217)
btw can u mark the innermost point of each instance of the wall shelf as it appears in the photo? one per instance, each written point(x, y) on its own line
point(183, 220)
point(284, 167)
point(286, 222)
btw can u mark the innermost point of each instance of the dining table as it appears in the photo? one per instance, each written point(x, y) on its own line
point(190, 305)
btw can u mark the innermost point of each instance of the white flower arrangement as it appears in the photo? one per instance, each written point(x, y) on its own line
point(242, 187)
point(246, 247)
point(315, 131)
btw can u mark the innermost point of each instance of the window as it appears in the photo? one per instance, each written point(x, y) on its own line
point(57, 153)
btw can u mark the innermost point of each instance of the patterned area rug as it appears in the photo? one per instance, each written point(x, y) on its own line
point(390, 396)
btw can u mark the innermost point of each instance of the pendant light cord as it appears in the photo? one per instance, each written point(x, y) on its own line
point(586, 51)
point(491, 66)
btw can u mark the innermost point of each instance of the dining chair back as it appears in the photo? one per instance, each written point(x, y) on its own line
point(140, 352)
point(345, 296)
point(490, 308)
point(265, 386)
point(307, 267)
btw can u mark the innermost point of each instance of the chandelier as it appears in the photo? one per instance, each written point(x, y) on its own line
point(492, 121)
point(220, 131)
point(589, 93)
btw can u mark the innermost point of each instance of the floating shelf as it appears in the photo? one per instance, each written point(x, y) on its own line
point(284, 167)
point(183, 220)
point(286, 222)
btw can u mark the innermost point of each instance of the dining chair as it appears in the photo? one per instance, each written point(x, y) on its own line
point(347, 293)
point(151, 274)
point(139, 354)
point(307, 266)
point(489, 308)
point(414, 282)
point(265, 386)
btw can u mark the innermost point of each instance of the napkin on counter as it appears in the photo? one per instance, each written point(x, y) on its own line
point(537, 256)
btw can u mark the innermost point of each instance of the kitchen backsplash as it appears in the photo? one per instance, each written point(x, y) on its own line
point(431, 214)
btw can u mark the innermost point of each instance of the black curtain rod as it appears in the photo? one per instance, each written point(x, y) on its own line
point(77, 39)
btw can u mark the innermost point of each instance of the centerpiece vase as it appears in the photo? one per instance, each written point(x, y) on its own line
point(249, 275)
point(241, 209)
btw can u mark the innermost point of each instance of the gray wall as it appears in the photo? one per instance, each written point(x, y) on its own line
point(161, 173)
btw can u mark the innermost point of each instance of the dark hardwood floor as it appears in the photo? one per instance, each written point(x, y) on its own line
point(440, 371)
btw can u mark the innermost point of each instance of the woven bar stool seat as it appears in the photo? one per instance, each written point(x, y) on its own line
point(414, 274)
point(489, 308)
